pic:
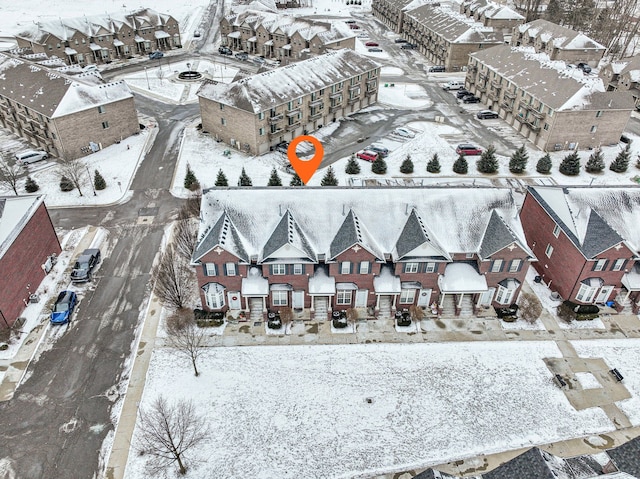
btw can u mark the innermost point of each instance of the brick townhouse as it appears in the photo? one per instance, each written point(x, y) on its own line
point(550, 104)
point(262, 110)
point(285, 38)
point(378, 250)
point(492, 14)
point(27, 240)
point(587, 241)
point(102, 38)
point(68, 116)
point(560, 43)
point(623, 75)
point(447, 37)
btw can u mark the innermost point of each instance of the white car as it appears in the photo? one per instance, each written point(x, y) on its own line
point(27, 157)
point(404, 133)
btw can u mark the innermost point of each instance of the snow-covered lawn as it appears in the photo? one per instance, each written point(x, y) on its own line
point(302, 411)
point(403, 95)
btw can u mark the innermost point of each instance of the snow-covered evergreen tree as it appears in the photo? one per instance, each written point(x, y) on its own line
point(570, 165)
point(461, 166)
point(595, 163)
point(519, 160)
point(488, 163)
point(621, 162)
point(544, 165)
point(434, 164)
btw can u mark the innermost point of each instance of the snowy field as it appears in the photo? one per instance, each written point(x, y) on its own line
point(302, 411)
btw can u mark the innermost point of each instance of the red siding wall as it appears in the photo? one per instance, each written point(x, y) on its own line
point(21, 265)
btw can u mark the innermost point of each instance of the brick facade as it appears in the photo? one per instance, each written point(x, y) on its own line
point(21, 264)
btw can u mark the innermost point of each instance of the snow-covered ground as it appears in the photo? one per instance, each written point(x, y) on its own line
point(302, 411)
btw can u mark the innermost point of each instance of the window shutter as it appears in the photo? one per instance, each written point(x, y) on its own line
point(289, 268)
point(224, 269)
point(404, 267)
point(351, 267)
point(606, 264)
point(270, 270)
point(624, 265)
point(520, 265)
point(435, 267)
point(423, 267)
point(204, 269)
point(502, 266)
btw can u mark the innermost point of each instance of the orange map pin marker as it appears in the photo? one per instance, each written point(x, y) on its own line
point(305, 168)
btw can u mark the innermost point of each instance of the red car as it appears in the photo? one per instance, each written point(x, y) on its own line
point(468, 149)
point(371, 44)
point(367, 155)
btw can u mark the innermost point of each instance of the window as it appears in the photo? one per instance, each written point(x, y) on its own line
point(298, 268)
point(261, 115)
point(556, 231)
point(279, 298)
point(290, 105)
point(600, 264)
point(407, 296)
point(223, 121)
point(618, 265)
point(261, 131)
point(548, 251)
point(343, 297)
point(515, 265)
point(209, 269)
point(221, 106)
point(504, 295)
point(230, 269)
point(345, 267)
point(101, 109)
point(411, 267)
point(105, 125)
point(496, 265)
point(546, 126)
point(594, 128)
point(278, 269)
point(586, 293)
point(598, 113)
point(469, 255)
point(215, 297)
point(431, 267)
point(365, 267)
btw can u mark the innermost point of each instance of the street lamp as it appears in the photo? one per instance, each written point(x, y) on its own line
point(92, 185)
point(147, 76)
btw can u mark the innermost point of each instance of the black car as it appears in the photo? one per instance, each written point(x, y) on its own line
point(225, 51)
point(437, 69)
point(400, 40)
point(462, 93)
point(282, 147)
point(84, 265)
point(242, 56)
point(486, 115)
point(584, 67)
point(470, 99)
point(408, 46)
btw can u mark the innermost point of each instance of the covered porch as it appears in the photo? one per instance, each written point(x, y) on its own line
point(463, 280)
point(387, 287)
point(322, 288)
point(254, 291)
point(630, 296)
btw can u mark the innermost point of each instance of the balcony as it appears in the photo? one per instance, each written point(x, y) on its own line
point(494, 95)
point(509, 94)
point(293, 126)
point(481, 88)
point(334, 108)
point(532, 126)
point(275, 132)
point(482, 76)
point(496, 84)
point(315, 116)
point(294, 112)
point(370, 92)
point(354, 87)
point(506, 106)
point(353, 100)
point(371, 81)
point(317, 102)
point(336, 94)
point(276, 118)
point(531, 109)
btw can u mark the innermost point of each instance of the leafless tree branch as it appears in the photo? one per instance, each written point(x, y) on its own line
point(185, 336)
point(74, 170)
point(9, 174)
point(173, 279)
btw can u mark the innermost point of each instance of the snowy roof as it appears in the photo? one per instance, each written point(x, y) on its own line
point(254, 284)
point(629, 66)
point(387, 282)
point(552, 82)
point(453, 26)
point(329, 218)
point(563, 38)
point(631, 280)
point(594, 219)
point(288, 234)
point(497, 237)
point(415, 241)
point(53, 93)
point(462, 277)
point(223, 234)
point(499, 12)
point(15, 213)
point(322, 283)
point(265, 90)
point(339, 31)
point(93, 25)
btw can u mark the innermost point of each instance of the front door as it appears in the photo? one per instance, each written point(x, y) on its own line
point(233, 298)
point(604, 294)
point(297, 300)
point(487, 297)
point(361, 298)
point(424, 297)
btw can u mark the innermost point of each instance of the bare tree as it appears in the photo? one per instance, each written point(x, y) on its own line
point(9, 174)
point(185, 236)
point(169, 431)
point(191, 209)
point(74, 170)
point(173, 279)
point(185, 336)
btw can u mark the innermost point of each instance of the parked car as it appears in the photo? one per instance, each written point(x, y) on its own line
point(470, 99)
point(468, 149)
point(462, 93)
point(258, 60)
point(453, 85)
point(27, 157)
point(437, 69)
point(225, 51)
point(353, 26)
point(156, 55)
point(371, 44)
point(379, 149)
point(90, 68)
point(196, 34)
point(404, 132)
point(375, 49)
point(486, 115)
point(362, 34)
point(367, 155)
point(408, 46)
point(282, 147)
point(242, 56)
point(84, 265)
point(400, 40)
point(63, 307)
point(349, 21)
point(584, 67)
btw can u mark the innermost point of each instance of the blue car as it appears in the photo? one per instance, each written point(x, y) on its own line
point(63, 307)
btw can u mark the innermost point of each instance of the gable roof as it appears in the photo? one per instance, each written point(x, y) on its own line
point(53, 93)
point(265, 90)
point(414, 234)
point(497, 236)
point(352, 232)
point(288, 232)
point(223, 234)
point(626, 457)
point(15, 213)
point(595, 219)
point(563, 38)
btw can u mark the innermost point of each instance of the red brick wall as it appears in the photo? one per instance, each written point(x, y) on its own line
point(231, 283)
point(297, 281)
point(21, 264)
point(363, 281)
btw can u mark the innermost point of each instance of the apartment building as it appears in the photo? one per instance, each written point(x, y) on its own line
point(623, 75)
point(102, 38)
point(587, 242)
point(68, 116)
point(378, 250)
point(391, 12)
point(285, 38)
point(447, 37)
point(258, 112)
point(492, 14)
point(559, 43)
point(554, 106)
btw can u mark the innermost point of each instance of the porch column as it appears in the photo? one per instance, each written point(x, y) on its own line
point(460, 302)
point(442, 295)
point(246, 303)
point(264, 304)
point(377, 301)
point(626, 297)
point(479, 300)
point(393, 303)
